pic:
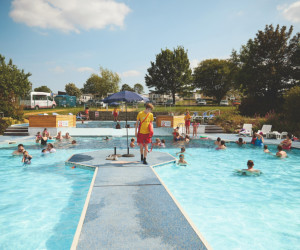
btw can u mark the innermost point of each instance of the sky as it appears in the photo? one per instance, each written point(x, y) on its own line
point(63, 41)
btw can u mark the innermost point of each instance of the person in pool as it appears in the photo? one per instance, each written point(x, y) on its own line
point(280, 152)
point(20, 150)
point(67, 136)
point(44, 139)
point(222, 145)
point(38, 137)
point(74, 142)
point(106, 138)
point(181, 160)
point(26, 158)
point(287, 143)
point(59, 136)
point(132, 145)
point(250, 165)
point(182, 151)
point(259, 139)
point(218, 141)
point(266, 150)
point(50, 148)
point(253, 139)
point(240, 142)
point(163, 143)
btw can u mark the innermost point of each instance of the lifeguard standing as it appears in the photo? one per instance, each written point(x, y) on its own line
point(144, 130)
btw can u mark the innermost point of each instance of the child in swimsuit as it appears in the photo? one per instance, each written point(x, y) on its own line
point(132, 145)
point(181, 160)
point(38, 137)
point(26, 158)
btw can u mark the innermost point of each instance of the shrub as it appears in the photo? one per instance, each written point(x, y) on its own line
point(292, 104)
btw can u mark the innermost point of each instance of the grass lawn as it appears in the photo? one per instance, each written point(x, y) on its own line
point(177, 109)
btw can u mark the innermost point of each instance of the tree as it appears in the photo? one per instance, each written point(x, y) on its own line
point(138, 88)
point(268, 67)
point(43, 89)
point(292, 104)
point(170, 73)
point(14, 84)
point(72, 90)
point(214, 77)
point(107, 82)
point(126, 87)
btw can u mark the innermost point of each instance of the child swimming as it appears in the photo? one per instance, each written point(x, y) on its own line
point(26, 158)
point(181, 160)
point(132, 145)
point(266, 150)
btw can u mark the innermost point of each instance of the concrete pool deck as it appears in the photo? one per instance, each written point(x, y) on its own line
point(129, 207)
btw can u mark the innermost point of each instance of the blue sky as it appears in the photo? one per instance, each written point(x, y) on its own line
point(62, 41)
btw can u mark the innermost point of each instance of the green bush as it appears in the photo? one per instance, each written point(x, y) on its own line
point(292, 104)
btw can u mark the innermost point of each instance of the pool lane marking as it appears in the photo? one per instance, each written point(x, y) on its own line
point(83, 213)
point(204, 241)
point(129, 185)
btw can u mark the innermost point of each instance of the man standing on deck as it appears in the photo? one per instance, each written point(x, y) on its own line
point(143, 132)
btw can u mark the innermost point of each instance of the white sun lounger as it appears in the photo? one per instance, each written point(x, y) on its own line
point(247, 130)
point(265, 129)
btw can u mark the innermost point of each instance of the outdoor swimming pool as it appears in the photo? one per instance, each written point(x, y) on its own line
point(41, 203)
point(239, 212)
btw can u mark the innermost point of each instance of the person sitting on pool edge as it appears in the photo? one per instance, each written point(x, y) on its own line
point(142, 130)
point(280, 152)
point(20, 150)
point(222, 145)
point(250, 165)
point(181, 160)
point(240, 141)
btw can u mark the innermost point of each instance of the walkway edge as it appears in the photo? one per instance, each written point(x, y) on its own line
point(83, 213)
point(204, 241)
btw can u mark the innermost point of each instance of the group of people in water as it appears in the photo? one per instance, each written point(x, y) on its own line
point(45, 140)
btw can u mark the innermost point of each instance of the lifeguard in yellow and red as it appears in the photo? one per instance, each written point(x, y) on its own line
point(144, 130)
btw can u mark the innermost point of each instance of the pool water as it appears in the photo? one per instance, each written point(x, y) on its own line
point(233, 211)
point(105, 124)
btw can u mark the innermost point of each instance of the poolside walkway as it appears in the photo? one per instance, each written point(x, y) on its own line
point(130, 208)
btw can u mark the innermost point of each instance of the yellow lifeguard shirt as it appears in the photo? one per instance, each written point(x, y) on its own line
point(187, 117)
point(145, 125)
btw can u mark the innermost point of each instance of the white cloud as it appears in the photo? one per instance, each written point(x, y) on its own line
point(85, 69)
point(130, 73)
point(58, 70)
point(69, 15)
point(290, 12)
point(194, 63)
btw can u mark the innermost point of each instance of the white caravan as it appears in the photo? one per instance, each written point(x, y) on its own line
point(38, 100)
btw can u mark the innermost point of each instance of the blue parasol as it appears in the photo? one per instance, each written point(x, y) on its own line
point(127, 97)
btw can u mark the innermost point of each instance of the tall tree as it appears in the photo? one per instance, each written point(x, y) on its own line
point(138, 88)
point(214, 77)
point(14, 83)
point(107, 82)
point(72, 90)
point(43, 88)
point(170, 73)
point(268, 67)
point(126, 87)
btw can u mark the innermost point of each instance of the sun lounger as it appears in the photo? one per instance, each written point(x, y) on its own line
point(265, 129)
point(247, 130)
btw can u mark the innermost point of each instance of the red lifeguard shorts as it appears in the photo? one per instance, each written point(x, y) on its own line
point(187, 123)
point(143, 139)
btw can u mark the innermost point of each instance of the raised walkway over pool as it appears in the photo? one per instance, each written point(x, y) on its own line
point(128, 206)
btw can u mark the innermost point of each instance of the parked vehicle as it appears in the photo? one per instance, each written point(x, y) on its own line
point(100, 103)
point(65, 101)
point(201, 102)
point(236, 102)
point(224, 103)
point(38, 100)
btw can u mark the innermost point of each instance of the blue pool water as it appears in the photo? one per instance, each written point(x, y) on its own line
point(41, 204)
point(233, 211)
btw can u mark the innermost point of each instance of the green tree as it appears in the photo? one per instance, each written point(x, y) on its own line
point(138, 88)
point(268, 67)
point(72, 90)
point(214, 77)
point(170, 73)
point(43, 88)
point(126, 87)
point(107, 82)
point(14, 84)
point(292, 104)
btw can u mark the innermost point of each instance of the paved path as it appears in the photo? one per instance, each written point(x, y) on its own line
point(129, 208)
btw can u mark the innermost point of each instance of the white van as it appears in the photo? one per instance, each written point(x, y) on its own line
point(38, 100)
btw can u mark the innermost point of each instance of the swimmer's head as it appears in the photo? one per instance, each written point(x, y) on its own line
point(183, 149)
point(265, 146)
point(25, 152)
point(181, 156)
point(50, 145)
point(163, 141)
point(240, 140)
point(132, 140)
point(187, 137)
point(218, 139)
point(74, 142)
point(279, 147)
point(44, 150)
point(250, 163)
point(157, 140)
point(20, 147)
point(222, 142)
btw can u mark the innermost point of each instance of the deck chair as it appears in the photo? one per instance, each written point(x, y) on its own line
point(265, 129)
point(247, 130)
